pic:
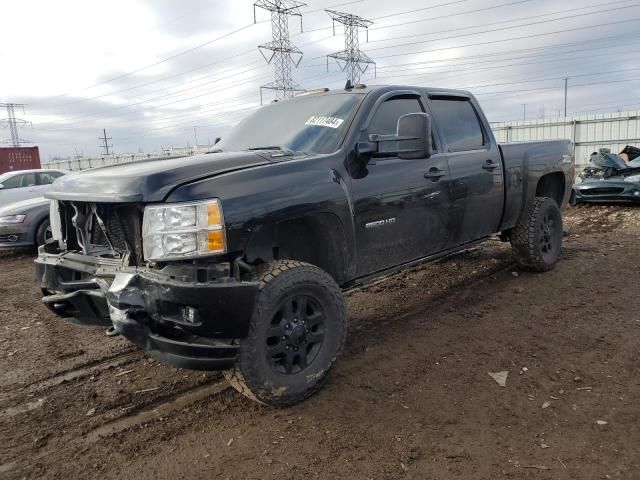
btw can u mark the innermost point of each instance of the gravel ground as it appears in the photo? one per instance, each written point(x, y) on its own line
point(411, 397)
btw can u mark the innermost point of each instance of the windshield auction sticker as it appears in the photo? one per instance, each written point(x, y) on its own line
point(331, 122)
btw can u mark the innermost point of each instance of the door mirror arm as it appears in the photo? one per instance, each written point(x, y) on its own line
point(366, 149)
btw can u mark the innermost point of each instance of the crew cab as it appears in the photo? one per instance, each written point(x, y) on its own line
point(236, 260)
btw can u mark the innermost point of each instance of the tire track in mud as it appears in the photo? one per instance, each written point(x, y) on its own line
point(109, 425)
point(81, 371)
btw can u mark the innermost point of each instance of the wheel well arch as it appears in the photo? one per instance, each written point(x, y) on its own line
point(552, 185)
point(318, 239)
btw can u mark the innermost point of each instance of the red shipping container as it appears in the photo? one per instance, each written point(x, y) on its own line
point(19, 158)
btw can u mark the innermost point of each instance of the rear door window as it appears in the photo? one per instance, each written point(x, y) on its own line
point(47, 178)
point(459, 123)
point(19, 181)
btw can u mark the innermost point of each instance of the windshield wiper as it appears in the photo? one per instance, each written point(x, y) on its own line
point(284, 150)
point(270, 147)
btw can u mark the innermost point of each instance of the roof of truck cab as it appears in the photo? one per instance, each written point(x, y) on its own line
point(385, 88)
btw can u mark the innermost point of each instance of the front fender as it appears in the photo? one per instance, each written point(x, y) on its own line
point(256, 198)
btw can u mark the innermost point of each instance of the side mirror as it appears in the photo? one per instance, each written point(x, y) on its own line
point(414, 136)
point(1, 186)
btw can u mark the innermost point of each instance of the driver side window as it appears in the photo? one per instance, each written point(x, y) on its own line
point(385, 120)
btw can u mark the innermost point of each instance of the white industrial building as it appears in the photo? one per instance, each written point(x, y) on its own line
point(587, 132)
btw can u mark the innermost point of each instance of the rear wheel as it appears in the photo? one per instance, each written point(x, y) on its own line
point(537, 240)
point(297, 331)
point(43, 233)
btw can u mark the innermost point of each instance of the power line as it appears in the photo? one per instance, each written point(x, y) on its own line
point(253, 63)
point(172, 57)
point(188, 113)
point(449, 15)
point(13, 123)
point(171, 95)
point(491, 42)
point(184, 52)
point(431, 7)
point(527, 18)
point(488, 60)
point(355, 61)
point(511, 28)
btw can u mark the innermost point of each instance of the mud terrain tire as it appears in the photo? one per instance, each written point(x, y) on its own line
point(537, 240)
point(299, 307)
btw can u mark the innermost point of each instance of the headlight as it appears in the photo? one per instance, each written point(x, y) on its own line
point(13, 219)
point(183, 230)
point(632, 178)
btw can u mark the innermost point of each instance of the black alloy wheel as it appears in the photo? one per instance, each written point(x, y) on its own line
point(296, 334)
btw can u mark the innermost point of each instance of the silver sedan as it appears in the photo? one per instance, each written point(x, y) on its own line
point(25, 223)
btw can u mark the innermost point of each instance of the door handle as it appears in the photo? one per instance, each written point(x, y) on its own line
point(489, 166)
point(434, 174)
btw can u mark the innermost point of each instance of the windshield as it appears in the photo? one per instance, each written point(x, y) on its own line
point(313, 124)
point(6, 176)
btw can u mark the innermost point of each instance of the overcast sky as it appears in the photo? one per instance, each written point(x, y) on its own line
point(150, 70)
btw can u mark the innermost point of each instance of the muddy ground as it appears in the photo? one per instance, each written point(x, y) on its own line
point(411, 397)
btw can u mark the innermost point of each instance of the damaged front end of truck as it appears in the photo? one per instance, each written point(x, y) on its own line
point(107, 266)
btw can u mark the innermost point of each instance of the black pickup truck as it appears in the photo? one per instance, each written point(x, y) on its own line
point(236, 260)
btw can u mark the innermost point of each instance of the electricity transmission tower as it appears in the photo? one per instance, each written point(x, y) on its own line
point(351, 60)
point(13, 123)
point(105, 142)
point(283, 54)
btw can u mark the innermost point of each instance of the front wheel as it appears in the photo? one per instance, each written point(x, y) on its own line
point(537, 240)
point(297, 331)
point(43, 233)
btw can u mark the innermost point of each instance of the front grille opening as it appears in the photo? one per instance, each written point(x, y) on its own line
point(603, 191)
point(112, 230)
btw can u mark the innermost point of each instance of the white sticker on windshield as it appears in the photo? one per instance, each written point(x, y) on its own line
point(331, 122)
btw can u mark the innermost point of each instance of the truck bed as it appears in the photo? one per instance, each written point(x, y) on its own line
point(524, 163)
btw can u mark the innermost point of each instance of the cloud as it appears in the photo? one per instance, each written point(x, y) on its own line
point(73, 64)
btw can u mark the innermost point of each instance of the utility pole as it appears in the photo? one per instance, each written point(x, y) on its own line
point(566, 80)
point(13, 123)
point(524, 111)
point(105, 142)
point(284, 54)
point(195, 134)
point(354, 61)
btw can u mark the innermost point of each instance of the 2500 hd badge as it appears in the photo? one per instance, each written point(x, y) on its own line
point(236, 260)
point(380, 223)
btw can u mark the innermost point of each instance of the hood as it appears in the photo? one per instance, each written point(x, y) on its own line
point(23, 206)
point(149, 180)
point(610, 160)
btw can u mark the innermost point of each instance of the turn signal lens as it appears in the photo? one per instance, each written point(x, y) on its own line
point(214, 216)
point(215, 241)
